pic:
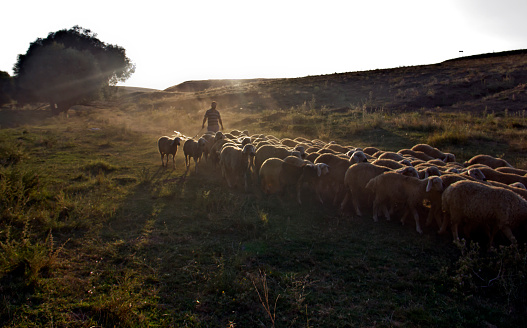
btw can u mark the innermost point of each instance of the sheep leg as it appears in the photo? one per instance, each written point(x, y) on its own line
point(386, 212)
point(356, 205)
point(454, 231)
point(173, 160)
point(417, 224)
point(508, 233)
point(299, 192)
point(344, 202)
point(196, 165)
point(444, 224)
point(375, 210)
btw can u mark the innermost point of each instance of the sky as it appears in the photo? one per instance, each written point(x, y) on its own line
point(175, 41)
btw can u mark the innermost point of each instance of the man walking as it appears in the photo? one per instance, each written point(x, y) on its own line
point(214, 118)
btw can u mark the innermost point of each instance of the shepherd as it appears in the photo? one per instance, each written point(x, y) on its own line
point(214, 118)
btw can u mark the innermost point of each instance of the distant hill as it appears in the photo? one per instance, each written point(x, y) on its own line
point(493, 82)
point(200, 85)
point(123, 89)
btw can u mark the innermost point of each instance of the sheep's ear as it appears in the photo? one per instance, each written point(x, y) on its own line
point(426, 177)
point(429, 185)
point(445, 159)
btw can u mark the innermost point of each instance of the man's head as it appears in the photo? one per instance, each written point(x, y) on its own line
point(213, 105)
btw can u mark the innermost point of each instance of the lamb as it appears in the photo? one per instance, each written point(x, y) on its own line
point(168, 146)
point(355, 180)
point(488, 160)
point(434, 152)
point(391, 189)
point(235, 164)
point(194, 149)
point(473, 203)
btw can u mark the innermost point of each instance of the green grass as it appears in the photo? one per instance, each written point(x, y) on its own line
point(94, 232)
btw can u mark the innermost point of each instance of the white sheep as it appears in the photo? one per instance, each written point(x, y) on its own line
point(488, 160)
point(416, 154)
point(355, 180)
point(168, 146)
point(235, 164)
point(331, 185)
point(311, 173)
point(269, 151)
point(473, 204)
point(392, 189)
point(391, 155)
point(506, 178)
point(434, 152)
point(358, 156)
point(269, 175)
point(194, 149)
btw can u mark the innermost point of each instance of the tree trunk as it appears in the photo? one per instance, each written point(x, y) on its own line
point(62, 107)
point(54, 109)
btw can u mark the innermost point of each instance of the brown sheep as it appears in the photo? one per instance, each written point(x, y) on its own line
point(194, 149)
point(168, 146)
point(473, 204)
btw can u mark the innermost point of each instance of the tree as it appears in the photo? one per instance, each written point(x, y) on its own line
point(69, 67)
point(6, 88)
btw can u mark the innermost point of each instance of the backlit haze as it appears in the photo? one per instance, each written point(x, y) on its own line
point(175, 41)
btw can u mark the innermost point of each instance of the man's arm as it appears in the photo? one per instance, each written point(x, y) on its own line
point(204, 120)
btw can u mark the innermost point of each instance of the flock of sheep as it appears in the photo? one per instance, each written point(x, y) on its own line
point(484, 192)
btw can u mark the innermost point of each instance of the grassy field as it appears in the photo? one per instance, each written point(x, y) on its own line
point(95, 233)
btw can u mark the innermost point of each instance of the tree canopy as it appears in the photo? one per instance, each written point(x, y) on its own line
point(6, 88)
point(69, 67)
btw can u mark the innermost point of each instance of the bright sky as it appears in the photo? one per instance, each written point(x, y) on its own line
point(176, 41)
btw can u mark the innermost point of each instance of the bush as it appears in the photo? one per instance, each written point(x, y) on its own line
point(499, 272)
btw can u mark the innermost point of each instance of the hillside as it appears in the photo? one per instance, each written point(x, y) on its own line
point(493, 82)
point(94, 232)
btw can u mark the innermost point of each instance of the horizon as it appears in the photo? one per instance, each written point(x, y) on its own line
point(176, 41)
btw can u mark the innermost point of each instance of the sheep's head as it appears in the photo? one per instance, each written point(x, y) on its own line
point(358, 157)
point(322, 169)
point(432, 170)
point(477, 174)
point(301, 150)
point(201, 143)
point(219, 136)
point(176, 142)
point(409, 171)
point(249, 150)
point(434, 183)
point(296, 153)
point(406, 162)
point(449, 158)
point(244, 140)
